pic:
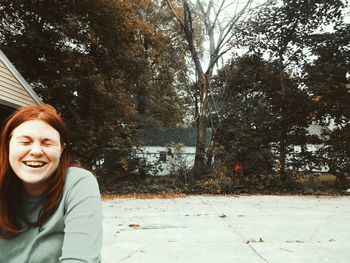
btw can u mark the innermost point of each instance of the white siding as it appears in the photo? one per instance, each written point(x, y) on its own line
point(175, 159)
point(11, 91)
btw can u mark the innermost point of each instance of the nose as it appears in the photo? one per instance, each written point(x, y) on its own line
point(36, 149)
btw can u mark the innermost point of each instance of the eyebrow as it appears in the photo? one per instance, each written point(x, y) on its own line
point(22, 137)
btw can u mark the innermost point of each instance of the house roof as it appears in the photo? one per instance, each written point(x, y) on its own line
point(166, 136)
point(14, 90)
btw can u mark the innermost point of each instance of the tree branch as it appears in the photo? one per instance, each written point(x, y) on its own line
point(175, 14)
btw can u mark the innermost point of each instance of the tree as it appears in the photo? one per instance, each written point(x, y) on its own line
point(280, 30)
point(218, 31)
point(158, 100)
point(327, 80)
point(249, 101)
point(92, 59)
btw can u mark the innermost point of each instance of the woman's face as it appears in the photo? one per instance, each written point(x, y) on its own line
point(34, 154)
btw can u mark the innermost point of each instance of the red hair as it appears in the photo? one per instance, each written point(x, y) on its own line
point(11, 188)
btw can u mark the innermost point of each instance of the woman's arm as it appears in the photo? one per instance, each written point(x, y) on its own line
point(83, 221)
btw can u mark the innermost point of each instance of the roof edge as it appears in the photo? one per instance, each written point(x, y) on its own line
point(9, 104)
point(19, 77)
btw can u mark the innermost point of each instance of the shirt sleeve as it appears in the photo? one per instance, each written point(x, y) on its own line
point(83, 222)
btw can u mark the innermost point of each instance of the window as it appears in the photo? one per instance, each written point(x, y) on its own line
point(162, 156)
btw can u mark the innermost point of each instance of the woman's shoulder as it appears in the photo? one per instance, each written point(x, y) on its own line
point(78, 172)
point(80, 193)
point(81, 178)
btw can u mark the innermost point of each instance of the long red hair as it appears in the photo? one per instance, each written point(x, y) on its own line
point(11, 188)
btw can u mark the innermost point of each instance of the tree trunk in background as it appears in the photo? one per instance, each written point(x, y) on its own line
point(220, 32)
point(283, 144)
point(199, 167)
point(283, 124)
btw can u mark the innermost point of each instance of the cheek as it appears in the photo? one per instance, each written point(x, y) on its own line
point(11, 149)
point(15, 155)
point(55, 161)
point(54, 155)
point(14, 152)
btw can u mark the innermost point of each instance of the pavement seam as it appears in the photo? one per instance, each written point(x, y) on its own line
point(251, 247)
point(258, 254)
point(132, 253)
point(238, 233)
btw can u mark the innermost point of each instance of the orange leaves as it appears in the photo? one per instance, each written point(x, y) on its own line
point(237, 168)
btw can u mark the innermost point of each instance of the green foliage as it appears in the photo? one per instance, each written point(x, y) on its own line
point(327, 77)
point(249, 116)
point(280, 31)
point(267, 105)
point(328, 81)
point(283, 27)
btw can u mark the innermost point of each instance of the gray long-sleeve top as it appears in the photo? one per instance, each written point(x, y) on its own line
point(72, 234)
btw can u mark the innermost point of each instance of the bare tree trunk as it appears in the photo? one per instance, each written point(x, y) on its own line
point(196, 98)
point(219, 29)
point(199, 167)
point(283, 144)
point(283, 124)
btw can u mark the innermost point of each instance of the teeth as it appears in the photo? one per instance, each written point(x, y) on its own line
point(34, 164)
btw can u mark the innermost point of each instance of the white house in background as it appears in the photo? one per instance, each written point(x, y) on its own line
point(164, 150)
point(316, 130)
point(313, 130)
point(14, 90)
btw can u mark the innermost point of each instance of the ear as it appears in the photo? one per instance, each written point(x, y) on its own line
point(63, 146)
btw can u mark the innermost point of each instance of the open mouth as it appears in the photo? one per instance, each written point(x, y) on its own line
point(34, 164)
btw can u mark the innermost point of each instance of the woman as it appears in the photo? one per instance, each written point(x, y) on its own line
point(50, 211)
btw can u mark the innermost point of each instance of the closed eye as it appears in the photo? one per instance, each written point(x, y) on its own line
point(25, 143)
point(48, 143)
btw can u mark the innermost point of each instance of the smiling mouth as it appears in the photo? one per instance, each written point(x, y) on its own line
point(34, 164)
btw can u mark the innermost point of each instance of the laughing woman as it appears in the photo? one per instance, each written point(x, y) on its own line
point(50, 211)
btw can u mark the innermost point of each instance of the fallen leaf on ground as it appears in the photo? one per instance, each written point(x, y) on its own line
point(134, 225)
point(255, 241)
point(295, 241)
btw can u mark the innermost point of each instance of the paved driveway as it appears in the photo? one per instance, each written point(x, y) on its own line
point(245, 229)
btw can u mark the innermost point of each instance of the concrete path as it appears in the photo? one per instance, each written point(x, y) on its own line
point(245, 229)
